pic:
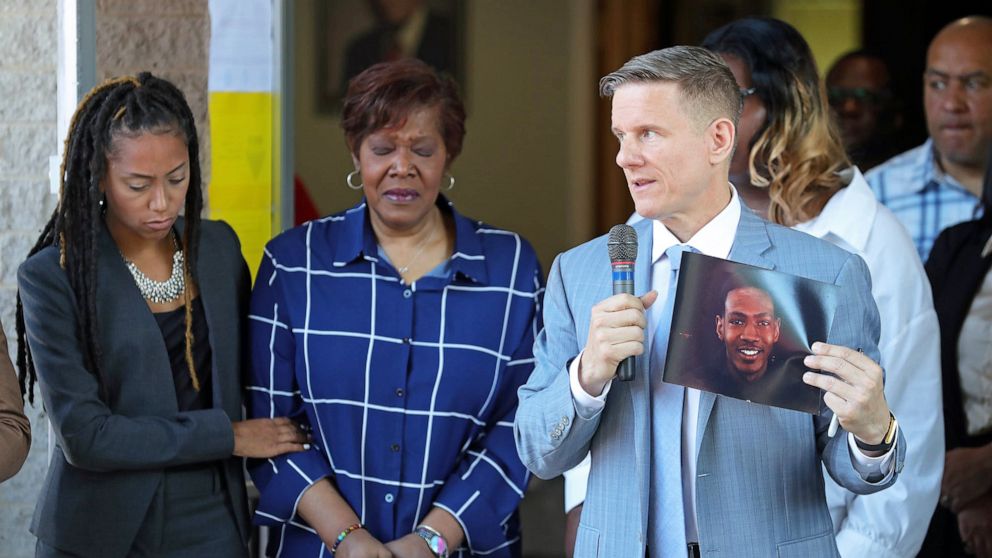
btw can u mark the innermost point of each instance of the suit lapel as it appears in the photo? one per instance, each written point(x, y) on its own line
point(642, 284)
point(751, 242)
point(640, 388)
point(124, 314)
point(211, 285)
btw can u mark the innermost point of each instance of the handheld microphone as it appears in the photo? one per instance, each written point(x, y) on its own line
point(622, 244)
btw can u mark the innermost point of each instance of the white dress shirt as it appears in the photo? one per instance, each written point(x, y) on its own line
point(975, 361)
point(715, 239)
point(891, 523)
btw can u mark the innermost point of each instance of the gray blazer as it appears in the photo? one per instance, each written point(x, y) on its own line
point(759, 491)
point(110, 455)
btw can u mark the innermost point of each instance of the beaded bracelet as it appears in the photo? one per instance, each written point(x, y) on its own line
point(345, 533)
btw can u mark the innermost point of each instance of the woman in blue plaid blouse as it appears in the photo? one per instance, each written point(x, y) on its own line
point(399, 332)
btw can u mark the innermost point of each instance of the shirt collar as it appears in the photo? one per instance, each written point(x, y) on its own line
point(714, 239)
point(848, 215)
point(356, 239)
point(932, 173)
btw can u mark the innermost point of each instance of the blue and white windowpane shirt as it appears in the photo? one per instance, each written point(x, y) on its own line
point(924, 198)
point(411, 390)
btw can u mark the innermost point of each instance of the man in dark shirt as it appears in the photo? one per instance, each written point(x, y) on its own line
point(866, 112)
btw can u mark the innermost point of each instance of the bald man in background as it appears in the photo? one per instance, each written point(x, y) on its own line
point(15, 430)
point(938, 184)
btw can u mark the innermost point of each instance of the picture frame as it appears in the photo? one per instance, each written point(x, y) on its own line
point(352, 35)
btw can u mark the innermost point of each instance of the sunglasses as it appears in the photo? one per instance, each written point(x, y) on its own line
point(861, 95)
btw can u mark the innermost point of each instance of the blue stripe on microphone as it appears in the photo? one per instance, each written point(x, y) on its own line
point(623, 275)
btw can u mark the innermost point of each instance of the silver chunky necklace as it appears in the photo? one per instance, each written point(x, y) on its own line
point(160, 292)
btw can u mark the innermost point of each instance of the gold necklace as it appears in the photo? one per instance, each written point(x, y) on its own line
point(420, 249)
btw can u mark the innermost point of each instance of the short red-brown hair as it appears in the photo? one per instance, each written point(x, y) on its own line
point(385, 94)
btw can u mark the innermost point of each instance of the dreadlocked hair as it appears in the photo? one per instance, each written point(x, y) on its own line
point(120, 107)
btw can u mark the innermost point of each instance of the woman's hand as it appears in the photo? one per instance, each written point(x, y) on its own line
point(975, 527)
point(361, 544)
point(966, 476)
point(438, 519)
point(262, 438)
point(410, 546)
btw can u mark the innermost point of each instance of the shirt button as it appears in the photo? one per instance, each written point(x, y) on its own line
point(406, 340)
point(407, 293)
point(389, 498)
point(399, 392)
point(395, 447)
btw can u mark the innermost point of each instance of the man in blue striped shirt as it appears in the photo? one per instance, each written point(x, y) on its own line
point(937, 184)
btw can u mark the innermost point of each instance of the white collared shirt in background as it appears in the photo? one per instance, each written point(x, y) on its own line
point(975, 361)
point(891, 523)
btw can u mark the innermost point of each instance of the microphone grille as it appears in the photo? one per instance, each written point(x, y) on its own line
point(622, 243)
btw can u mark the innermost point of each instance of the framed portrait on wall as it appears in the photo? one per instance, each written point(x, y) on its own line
point(355, 34)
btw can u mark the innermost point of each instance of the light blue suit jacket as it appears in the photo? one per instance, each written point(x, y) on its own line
point(759, 489)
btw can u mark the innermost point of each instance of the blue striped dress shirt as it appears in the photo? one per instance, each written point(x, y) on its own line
point(411, 390)
point(924, 198)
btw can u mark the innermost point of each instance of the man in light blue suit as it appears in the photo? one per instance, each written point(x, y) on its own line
point(677, 472)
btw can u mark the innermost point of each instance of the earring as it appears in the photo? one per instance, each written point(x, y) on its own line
point(451, 183)
point(352, 185)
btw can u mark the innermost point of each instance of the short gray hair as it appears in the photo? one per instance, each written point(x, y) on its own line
point(708, 87)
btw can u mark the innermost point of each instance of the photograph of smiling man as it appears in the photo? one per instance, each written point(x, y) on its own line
point(743, 331)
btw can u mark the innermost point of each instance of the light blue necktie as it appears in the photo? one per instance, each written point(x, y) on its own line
point(666, 529)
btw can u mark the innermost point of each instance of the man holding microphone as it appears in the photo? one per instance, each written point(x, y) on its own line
point(676, 471)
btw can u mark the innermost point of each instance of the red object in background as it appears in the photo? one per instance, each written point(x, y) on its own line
point(303, 207)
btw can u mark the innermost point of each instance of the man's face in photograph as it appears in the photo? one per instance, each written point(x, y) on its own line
point(749, 329)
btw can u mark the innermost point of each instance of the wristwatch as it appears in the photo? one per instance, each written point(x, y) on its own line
point(887, 442)
point(434, 540)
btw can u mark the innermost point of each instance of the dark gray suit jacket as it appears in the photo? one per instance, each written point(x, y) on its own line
point(110, 455)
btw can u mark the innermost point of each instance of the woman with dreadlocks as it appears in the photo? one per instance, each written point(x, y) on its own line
point(131, 317)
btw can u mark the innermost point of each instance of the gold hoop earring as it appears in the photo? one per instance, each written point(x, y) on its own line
point(351, 184)
point(451, 183)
